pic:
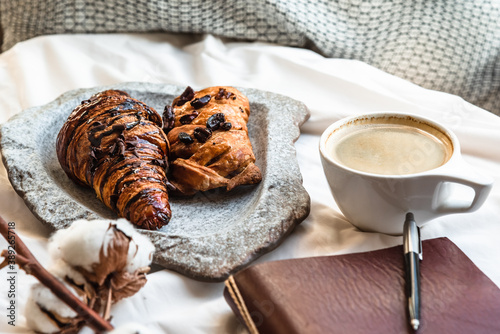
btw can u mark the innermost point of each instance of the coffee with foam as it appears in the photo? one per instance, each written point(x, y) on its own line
point(380, 166)
point(389, 146)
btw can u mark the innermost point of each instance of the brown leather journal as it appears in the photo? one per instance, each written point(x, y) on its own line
point(364, 293)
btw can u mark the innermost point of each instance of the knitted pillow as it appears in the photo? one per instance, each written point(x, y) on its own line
point(442, 45)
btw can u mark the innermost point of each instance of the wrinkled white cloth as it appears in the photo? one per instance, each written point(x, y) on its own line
point(37, 71)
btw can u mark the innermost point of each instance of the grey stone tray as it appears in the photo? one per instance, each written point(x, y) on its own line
point(211, 235)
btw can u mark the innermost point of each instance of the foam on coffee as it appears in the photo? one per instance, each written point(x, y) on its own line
point(389, 146)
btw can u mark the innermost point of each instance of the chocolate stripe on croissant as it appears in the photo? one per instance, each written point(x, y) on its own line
point(115, 144)
point(209, 143)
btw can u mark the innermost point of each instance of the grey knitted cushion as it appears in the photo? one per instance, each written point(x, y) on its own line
point(452, 46)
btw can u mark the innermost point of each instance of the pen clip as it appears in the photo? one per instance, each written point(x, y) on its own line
point(412, 241)
point(420, 252)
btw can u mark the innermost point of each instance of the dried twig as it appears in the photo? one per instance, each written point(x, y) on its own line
point(107, 307)
point(25, 259)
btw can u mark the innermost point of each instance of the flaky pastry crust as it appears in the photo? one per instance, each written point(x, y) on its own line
point(115, 144)
point(208, 135)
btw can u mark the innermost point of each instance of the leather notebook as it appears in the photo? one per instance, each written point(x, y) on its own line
point(364, 293)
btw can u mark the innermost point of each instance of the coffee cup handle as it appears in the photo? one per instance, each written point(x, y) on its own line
point(444, 203)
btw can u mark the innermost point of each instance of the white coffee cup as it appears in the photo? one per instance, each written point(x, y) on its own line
point(382, 165)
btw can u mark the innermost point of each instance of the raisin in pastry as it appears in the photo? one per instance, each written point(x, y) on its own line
point(209, 143)
point(115, 144)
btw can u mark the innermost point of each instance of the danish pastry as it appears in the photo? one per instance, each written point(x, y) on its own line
point(209, 142)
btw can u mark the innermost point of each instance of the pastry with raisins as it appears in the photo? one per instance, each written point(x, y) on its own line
point(209, 143)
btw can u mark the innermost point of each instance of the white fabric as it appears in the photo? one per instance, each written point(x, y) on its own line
point(37, 71)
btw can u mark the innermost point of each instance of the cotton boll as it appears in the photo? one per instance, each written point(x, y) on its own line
point(73, 277)
point(80, 244)
point(61, 269)
point(37, 320)
point(126, 227)
point(141, 249)
point(46, 299)
point(140, 252)
point(100, 261)
point(42, 301)
point(130, 328)
point(103, 251)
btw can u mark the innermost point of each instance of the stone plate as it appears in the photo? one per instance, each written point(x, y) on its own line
point(212, 234)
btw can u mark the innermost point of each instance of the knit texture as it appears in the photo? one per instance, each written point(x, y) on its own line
point(451, 46)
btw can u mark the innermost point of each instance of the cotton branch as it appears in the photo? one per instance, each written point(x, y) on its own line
point(26, 261)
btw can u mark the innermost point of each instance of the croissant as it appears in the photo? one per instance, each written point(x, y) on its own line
point(209, 143)
point(115, 144)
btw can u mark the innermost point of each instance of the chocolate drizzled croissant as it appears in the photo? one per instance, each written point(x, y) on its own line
point(115, 144)
point(209, 142)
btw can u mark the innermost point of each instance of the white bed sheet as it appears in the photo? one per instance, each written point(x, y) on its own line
point(39, 70)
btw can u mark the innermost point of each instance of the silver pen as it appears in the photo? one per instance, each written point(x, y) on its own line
point(412, 245)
